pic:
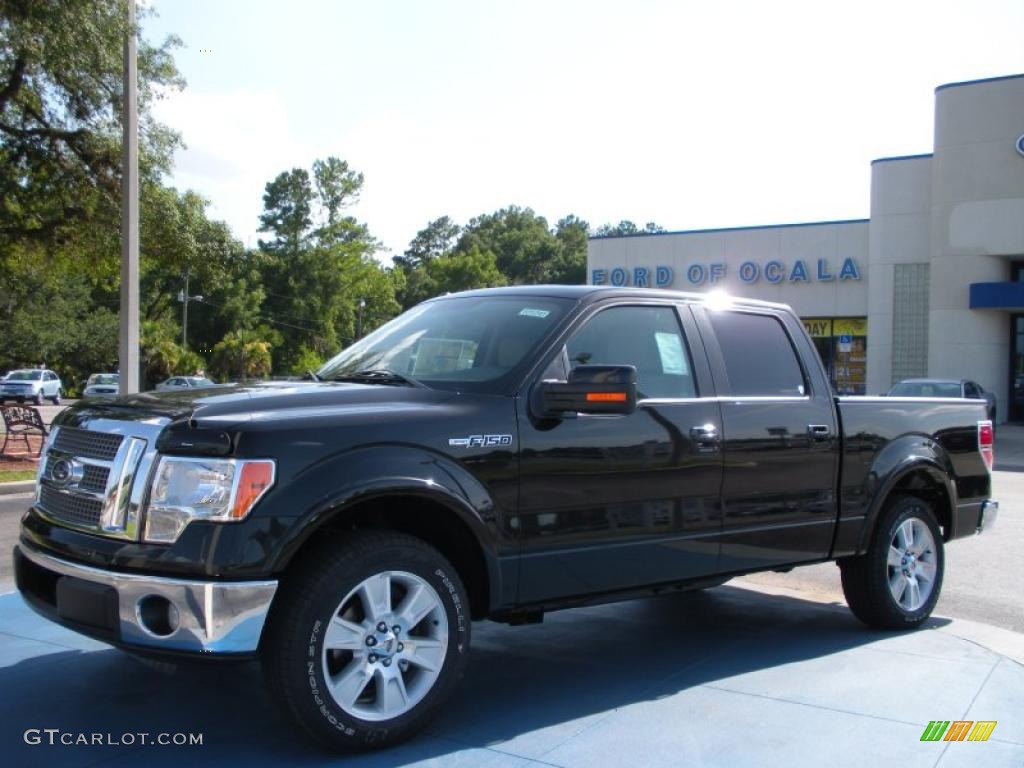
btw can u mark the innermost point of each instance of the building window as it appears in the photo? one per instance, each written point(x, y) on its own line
point(842, 344)
point(909, 321)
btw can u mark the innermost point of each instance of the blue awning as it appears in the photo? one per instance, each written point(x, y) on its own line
point(997, 296)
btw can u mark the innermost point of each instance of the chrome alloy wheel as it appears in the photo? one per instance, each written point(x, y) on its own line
point(912, 564)
point(385, 646)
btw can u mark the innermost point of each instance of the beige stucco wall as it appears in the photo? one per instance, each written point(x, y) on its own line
point(977, 226)
point(898, 234)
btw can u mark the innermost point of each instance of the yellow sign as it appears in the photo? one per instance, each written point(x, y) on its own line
point(850, 326)
point(827, 327)
point(819, 328)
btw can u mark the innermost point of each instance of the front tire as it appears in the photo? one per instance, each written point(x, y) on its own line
point(367, 639)
point(38, 399)
point(897, 582)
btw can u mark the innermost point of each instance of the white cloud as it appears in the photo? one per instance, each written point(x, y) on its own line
point(236, 141)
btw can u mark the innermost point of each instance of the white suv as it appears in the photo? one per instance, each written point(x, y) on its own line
point(33, 384)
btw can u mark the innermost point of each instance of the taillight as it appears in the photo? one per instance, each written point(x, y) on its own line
point(986, 443)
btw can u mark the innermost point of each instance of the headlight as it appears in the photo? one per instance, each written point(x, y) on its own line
point(187, 489)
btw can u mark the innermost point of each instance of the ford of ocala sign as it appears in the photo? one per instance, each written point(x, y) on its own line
point(749, 272)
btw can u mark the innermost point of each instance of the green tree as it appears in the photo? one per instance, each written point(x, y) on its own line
point(306, 360)
point(569, 266)
point(242, 355)
point(314, 289)
point(436, 239)
point(162, 356)
point(463, 271)
point(520, 240)
point(60, 102)
point(287, 212)
point(337, 186)
point(627, 227)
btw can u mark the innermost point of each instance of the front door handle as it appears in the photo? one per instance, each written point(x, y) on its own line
point(705, 436)
point(819, 431)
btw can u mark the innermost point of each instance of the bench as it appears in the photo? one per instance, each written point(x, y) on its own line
point(22, 421)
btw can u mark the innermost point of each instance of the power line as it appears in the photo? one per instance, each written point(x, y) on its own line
point(263, 317)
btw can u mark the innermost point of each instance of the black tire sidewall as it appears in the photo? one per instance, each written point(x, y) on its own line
point(906, 508)
point(312, 702)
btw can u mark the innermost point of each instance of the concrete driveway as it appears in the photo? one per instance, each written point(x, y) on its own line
point(729, 678)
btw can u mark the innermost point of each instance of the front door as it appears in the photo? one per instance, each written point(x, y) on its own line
point(612, 502)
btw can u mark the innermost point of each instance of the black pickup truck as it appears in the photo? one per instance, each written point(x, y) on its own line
point(488, 455)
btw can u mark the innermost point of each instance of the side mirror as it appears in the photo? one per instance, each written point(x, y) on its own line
point(608, 389)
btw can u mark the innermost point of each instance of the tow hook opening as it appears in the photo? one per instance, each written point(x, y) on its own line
point(157, 615)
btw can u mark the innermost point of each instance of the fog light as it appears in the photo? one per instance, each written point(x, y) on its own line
point(157, 615)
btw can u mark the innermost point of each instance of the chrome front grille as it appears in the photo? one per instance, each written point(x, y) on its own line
point(94, 479)
point(87, 444)
point(67, 508)
point(87, 480)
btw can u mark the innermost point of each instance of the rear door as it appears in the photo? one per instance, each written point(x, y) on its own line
point(780, 438)
point(613, 502)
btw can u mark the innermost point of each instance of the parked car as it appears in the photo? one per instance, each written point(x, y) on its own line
point(493, 454)
point(946, 388)
point(177, 383)
point(35, 384)
point(102, 384)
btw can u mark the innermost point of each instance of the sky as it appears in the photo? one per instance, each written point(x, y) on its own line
point(690, 114)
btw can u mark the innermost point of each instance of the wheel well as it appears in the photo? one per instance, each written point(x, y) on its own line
point(425, 519)
point(924, 485)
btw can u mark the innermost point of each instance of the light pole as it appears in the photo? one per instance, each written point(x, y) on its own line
point(184, 298)
point(359, 322)
point(128, 312)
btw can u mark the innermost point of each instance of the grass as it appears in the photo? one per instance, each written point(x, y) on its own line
point(13, 475)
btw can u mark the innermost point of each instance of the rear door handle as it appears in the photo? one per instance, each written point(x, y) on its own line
point(819, 431)
point(705, 436)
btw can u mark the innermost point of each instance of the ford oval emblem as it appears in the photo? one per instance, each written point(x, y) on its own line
point(60, 471)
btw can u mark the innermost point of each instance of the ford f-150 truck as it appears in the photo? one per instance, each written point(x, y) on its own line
point(493, 454)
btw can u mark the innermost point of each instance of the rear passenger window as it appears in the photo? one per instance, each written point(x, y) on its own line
point(649, 338)
point(759, 358)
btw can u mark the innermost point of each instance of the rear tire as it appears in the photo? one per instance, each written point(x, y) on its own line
point(371, 686)
point(897, 582)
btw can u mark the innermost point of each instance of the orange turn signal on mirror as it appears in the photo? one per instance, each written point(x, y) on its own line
point(256, 478)
point(606, 397)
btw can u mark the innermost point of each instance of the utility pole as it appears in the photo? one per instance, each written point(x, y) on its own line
point(128, 337)
point(184, 314)
point(184, 298)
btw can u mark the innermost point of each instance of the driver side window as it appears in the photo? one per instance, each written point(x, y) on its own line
point(649, 338)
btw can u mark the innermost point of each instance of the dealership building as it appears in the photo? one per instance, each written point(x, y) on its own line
point(931, 285)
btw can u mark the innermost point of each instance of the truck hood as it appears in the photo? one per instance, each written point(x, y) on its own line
point(227, 406)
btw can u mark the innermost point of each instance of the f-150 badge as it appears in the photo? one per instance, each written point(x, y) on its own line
point(479, 441)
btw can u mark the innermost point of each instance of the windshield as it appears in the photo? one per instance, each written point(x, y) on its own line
point(102, 378)
point(200, 382)
point(469, 342)
point(25, 376)
point(926, 389)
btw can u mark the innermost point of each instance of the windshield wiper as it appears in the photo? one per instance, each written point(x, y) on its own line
point(379, 376)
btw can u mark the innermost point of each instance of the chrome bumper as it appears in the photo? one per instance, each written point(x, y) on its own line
point(160, 613)
point(988, 515)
